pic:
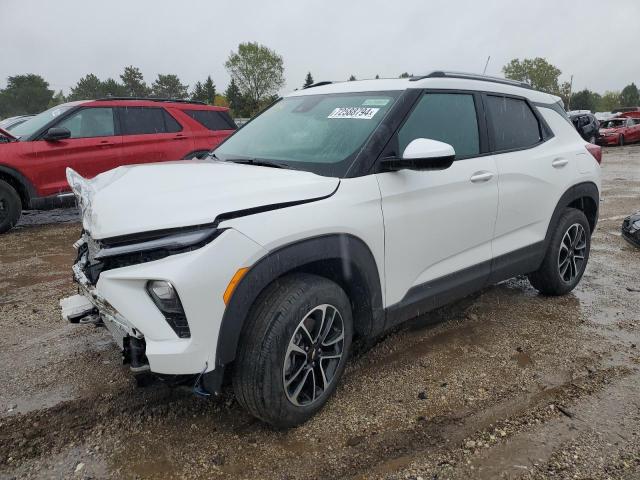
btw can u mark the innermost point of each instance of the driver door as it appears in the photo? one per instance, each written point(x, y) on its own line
point(93, 148)
point(439, 224)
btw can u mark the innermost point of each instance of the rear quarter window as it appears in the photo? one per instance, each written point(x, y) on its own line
point(513, 123)
point(146, 121)
point(212, 119)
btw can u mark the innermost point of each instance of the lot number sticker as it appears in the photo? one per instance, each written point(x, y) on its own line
point(362, 113)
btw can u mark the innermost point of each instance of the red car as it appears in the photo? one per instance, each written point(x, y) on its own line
point(94, 136)
point(619, 130)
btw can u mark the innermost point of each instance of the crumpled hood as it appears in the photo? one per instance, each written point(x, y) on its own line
point(141, 198)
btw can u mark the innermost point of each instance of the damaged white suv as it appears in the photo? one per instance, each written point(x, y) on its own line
point(341, 211)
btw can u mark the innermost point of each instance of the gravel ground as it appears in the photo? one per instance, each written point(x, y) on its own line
point(504, 384)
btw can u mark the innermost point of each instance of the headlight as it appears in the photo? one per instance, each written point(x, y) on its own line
point(166, 242)
point(166, 298)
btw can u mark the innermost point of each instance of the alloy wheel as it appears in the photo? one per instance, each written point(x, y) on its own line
point(572, 253)
point(313, 355)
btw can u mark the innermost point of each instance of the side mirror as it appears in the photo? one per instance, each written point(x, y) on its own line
point(57, 133)
point(422, 154)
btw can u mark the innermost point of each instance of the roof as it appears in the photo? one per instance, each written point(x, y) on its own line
point(444, 81)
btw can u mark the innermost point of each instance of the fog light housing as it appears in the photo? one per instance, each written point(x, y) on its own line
point(166, 298)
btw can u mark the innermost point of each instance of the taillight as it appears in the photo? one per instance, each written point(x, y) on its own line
point(595, 151)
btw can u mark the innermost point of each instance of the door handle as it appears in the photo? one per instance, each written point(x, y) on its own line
point(180, 137)
point(106, 143)
point(480, 177)
point(559, 162)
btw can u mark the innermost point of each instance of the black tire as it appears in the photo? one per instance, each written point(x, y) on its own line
point(561, 270)
point(10, 207)
point(259, 373)
point(621, 141)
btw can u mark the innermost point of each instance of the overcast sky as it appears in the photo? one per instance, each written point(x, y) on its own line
point(598, 41)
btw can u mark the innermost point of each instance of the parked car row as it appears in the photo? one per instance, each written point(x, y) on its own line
point(618, 128)
point(95, 136)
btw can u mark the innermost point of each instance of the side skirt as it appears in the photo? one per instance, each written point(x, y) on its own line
point(428, 296)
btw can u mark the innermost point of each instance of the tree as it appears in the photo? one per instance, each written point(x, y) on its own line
point(198, 95)
point(25, 94)
point(257, 70)
point(87, 88)
point(169, 86)
point(352, 78)
point(539, 73)
point(308, 81)
point(585, 100)
point(610, 101)
point(405, 75)
point(134, 83)
point(57, 99)
point(209, 91)
point(377, 76)
point(234, 98)
point(630, 96)
point(111, 88)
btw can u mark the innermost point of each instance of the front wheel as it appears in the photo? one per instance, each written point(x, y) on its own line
point(293, 350)
point(566, 257)
point(10, 207)
point(621, 141)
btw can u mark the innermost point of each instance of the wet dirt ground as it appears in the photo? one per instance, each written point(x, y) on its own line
point(504, 384)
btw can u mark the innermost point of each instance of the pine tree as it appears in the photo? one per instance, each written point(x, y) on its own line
point(209, 90)
point(134, 82)
point(352, 78)
point(234, 98)
point(308, 81)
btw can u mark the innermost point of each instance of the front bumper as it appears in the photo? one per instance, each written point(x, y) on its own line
point(200, 277)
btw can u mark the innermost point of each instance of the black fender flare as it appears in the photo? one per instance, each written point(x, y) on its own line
point(576, 192)
point(352, 253)
point(28, 189)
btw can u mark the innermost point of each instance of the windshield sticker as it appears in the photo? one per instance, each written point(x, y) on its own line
point(375, 102)
point(361, 113)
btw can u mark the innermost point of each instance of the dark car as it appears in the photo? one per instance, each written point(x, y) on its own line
point(587, 126)
point(631, 229)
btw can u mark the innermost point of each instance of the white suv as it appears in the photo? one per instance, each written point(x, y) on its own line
point(341, 211)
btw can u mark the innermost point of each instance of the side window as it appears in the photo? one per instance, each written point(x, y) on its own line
point(513, 123)
point(447, 117)
point(213, 120)
point(90, 122)
point(147, 120)
point(171, 123)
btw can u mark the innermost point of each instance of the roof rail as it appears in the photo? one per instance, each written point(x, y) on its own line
point(152, 99)
point(472, 76)
point(317, 84)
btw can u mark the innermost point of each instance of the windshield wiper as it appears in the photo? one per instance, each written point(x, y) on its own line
point(258, 163)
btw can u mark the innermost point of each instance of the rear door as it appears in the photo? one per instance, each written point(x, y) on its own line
point(438, 223)
point(534, 169)
point(151, 134)
point(94, 147)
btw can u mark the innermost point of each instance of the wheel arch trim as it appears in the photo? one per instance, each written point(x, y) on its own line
point(350, 251)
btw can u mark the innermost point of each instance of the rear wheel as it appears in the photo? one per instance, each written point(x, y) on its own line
point(294, 349)
point(10, 207)
point(566, 257)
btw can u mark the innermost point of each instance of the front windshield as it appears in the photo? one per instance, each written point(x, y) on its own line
point(317, 133)
point(612, 124)
point(36, 123)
